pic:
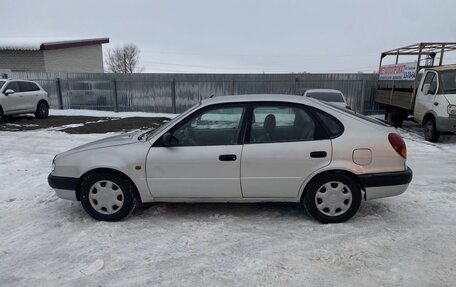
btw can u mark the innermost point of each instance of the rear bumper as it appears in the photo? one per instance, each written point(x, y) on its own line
point(386, 184)
point(65, 187)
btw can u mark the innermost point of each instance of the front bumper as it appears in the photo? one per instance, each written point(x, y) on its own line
point(386, 184)
point(446, 125)
point(65, 187)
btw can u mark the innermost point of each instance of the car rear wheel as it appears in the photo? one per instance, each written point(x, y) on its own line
point(430, 130)
point(332, 198)
point(107, 196)
point(42, 110)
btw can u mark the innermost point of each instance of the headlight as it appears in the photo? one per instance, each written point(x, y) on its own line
point(53, 164)
point(451, 109)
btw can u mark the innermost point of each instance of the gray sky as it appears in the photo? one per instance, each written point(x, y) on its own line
point(241, 35)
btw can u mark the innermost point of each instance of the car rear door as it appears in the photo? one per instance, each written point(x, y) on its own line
point(284, 146)
point(204, 161)
point(29, 95)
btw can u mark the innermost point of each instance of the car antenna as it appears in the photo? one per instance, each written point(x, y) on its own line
point(211, 96)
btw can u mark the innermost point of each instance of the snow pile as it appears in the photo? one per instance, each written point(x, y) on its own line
point(408, 240)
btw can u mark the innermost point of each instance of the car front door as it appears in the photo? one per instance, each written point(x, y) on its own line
point(204, 158)
point(284, 146)
point(12, 102)
point(425, 102)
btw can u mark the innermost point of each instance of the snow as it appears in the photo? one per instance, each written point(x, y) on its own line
point(91, 113)
point(33, 43)
point(408, 240)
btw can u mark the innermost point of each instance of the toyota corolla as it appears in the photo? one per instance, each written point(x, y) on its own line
point(249, 148)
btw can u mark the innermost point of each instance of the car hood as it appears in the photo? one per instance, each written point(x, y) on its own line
point(126, 138)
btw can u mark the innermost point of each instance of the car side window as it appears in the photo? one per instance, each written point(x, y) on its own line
point(281, 123)
point(28, 87)
point(334, 126)
point(217, 126)
point(12, 86)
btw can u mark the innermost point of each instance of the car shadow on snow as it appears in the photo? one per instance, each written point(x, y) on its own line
point(219, 210)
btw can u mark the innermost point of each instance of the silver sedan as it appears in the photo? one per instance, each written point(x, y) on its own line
point(250, 148)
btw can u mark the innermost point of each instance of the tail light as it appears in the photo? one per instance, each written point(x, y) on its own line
point(398, 144)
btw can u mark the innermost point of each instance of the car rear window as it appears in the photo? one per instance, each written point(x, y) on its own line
point(360, 116)
point(2, 83)
point(327, 97)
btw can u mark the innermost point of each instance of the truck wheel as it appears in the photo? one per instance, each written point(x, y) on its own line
point(389, 116)
point(430, 130)
point(395, 120)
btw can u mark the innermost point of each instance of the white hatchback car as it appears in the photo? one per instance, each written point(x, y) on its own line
point(249, 148)
point(335, 97)
point(21, 96)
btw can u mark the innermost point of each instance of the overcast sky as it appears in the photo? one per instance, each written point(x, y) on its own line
point(241, 35)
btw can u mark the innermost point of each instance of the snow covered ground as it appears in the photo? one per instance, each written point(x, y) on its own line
point(408, 240)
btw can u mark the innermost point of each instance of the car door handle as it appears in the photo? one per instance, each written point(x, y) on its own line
point(436, 103)
point(227, 157)
point(318, 154)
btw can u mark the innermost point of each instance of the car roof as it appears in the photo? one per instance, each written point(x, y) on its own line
point(323, 91)
point(443, 68)
point(8, 80)
point(258, 98)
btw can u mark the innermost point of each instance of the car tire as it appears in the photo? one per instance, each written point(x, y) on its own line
point(107, 196)
point(42, 110)
point(1, 114)
point(332, 198)
point(430, 130)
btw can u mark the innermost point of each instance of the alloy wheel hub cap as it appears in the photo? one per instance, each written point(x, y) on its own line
point(333, 198)
point(106, 197)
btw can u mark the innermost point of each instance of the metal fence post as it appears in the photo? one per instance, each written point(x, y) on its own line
point(296, 85)
point(363, 96)
point(59, 94)
point(116, 101)
point(173, 96)
point(233, 87)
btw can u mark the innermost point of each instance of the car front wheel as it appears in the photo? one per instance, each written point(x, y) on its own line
point(107, 196)
point(332, 198)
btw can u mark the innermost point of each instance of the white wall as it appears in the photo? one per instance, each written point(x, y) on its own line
point(87, 59)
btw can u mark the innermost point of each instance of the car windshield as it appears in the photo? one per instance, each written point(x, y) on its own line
point(326, 96)
point(448, 79)
point(149, 134)
point(2, 83)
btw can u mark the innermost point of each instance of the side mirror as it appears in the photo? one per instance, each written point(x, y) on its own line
point(426, 88)
point(169, 140)
point(8, 92)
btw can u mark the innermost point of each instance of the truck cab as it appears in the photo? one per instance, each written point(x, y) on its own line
point(424, 89)
point(435, 103)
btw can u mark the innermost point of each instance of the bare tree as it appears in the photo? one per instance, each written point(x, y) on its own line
point(123, 60)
